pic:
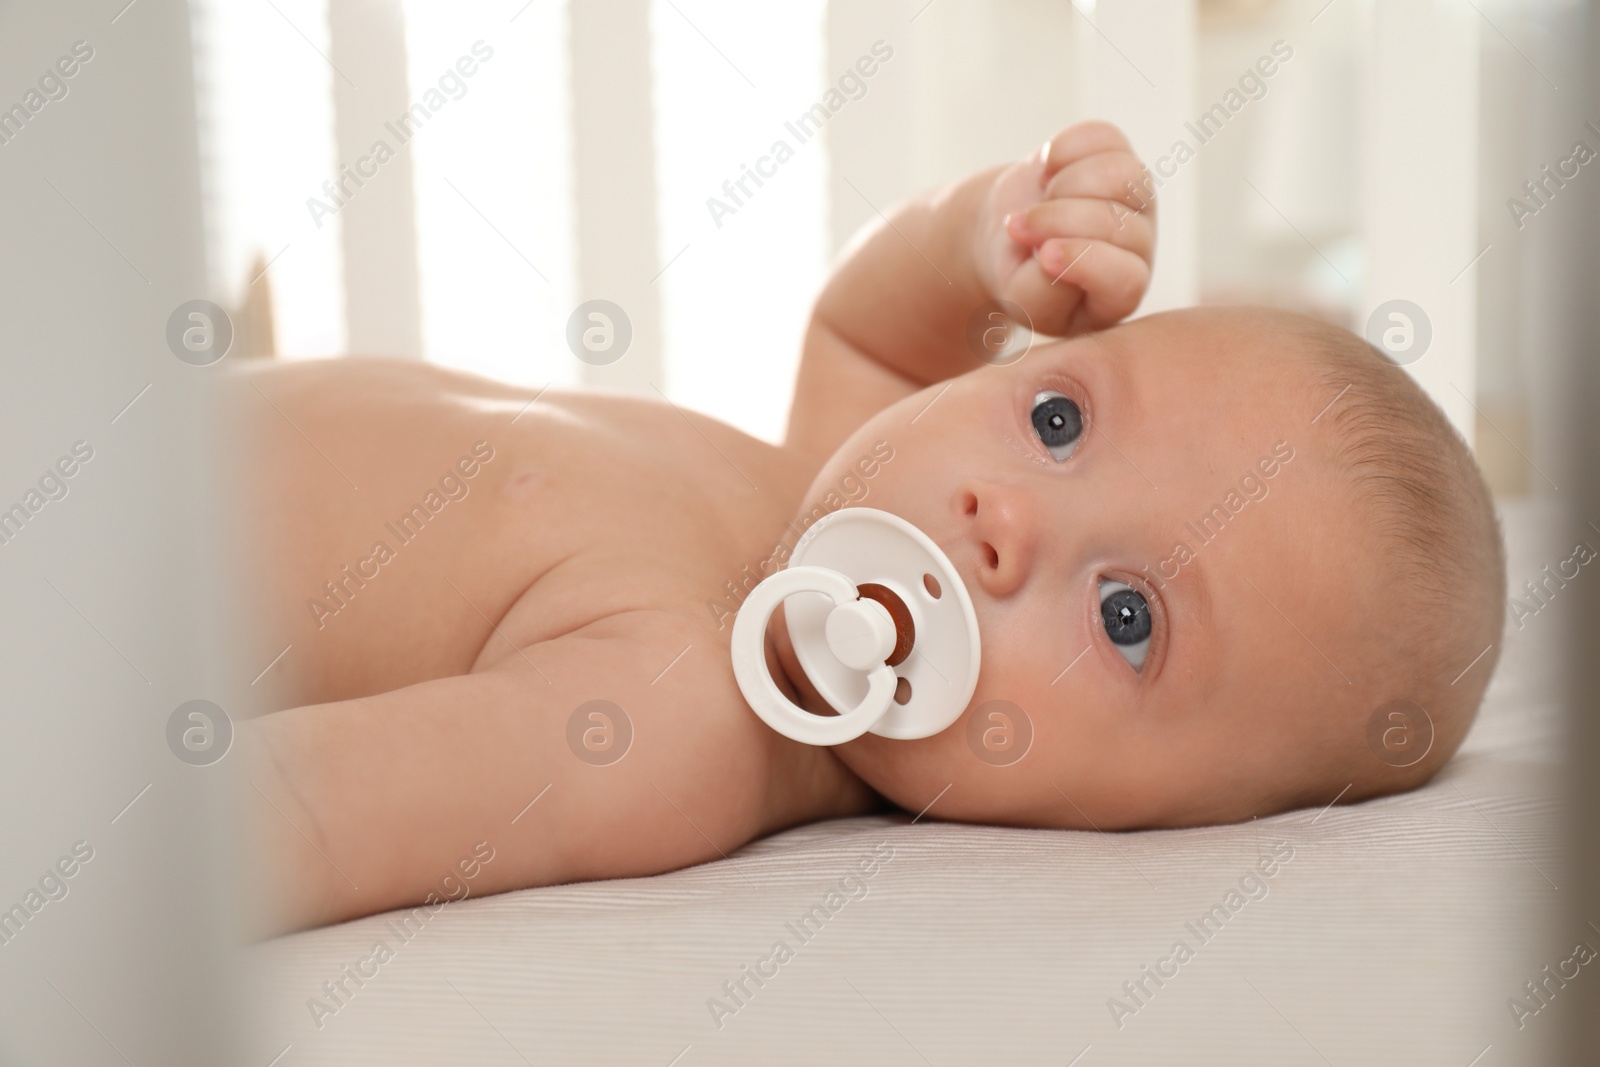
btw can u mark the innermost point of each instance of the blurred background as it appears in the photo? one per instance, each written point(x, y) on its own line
point(1374, 163)
point(448, 182)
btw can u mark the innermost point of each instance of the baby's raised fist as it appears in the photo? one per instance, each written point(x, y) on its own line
point(1068, 234)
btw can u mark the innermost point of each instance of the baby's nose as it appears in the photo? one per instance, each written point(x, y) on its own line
point(999, 520)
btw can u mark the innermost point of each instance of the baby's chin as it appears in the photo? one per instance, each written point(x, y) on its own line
point(895, 769)
point(939, 776)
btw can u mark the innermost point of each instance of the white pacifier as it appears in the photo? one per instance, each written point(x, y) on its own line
point(882, 626)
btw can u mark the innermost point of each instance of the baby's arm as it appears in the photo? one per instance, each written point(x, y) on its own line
point(366, 805)
point(1066, 234)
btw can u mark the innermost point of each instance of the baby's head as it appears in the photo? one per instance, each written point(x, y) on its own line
point(1296, 527)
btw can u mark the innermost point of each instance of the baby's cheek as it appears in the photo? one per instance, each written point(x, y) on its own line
point(1030, 649)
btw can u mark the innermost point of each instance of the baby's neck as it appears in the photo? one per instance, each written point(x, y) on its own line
point(812, 783)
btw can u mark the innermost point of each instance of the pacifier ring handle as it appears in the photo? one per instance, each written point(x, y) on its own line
point(750, 662)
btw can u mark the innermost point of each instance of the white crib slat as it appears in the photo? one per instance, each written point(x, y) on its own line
point(614, 185)
point(1420, 185)
point(1135, 66)
point(367, 47)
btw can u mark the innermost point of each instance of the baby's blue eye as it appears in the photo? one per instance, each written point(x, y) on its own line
point(1126, 616)
point(1058, 422)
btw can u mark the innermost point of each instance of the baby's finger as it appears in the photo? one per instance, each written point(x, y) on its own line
point(1113, 280)
point(1050, 308)
point(1080, 140)
point(1104, 220)
point(1108, 176)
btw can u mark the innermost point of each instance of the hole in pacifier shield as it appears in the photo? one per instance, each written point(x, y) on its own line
point(199, 732)
point(599, 332)
point(1400, 733)
point(199, 332)
point(999, 733)
point(999, 333)
point(599, 732)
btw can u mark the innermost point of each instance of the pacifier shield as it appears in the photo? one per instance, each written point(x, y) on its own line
point(936, 654)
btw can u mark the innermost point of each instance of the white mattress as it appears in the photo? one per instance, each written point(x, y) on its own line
point(1395, 934)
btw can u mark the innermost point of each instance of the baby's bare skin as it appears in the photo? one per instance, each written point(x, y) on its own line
point(591, 505)
point(579, 566)
point(433, 707)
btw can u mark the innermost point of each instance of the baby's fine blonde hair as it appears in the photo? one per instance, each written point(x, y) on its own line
point(1439, 551)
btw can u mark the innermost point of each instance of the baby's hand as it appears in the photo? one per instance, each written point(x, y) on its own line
point(1068, 234)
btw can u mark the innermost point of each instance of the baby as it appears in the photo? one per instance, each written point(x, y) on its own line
point(1225, 562)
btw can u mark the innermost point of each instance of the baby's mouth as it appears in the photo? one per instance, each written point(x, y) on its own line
point(861, 587)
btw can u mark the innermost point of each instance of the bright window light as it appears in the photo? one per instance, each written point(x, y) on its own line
point(266, 119)
point(736, 298)
point(493, 192)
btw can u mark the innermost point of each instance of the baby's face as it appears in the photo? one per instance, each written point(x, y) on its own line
point(1167, 595)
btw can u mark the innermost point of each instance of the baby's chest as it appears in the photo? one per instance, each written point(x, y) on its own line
point(642, 511)
point(650, 483)
point(614, 467)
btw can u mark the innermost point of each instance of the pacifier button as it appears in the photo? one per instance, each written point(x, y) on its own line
point(861, 634)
